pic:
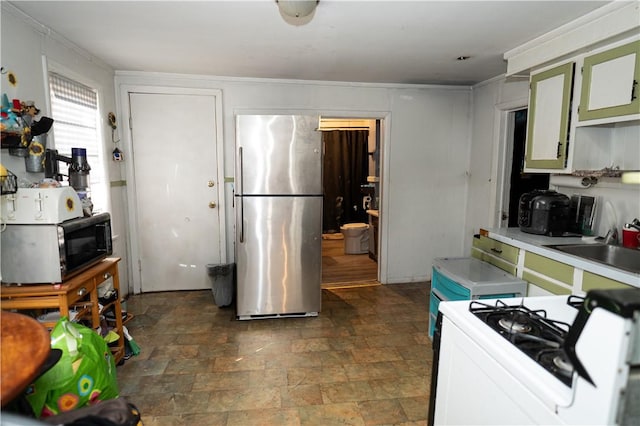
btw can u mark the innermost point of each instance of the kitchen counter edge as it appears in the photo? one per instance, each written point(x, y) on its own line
point(535, 244)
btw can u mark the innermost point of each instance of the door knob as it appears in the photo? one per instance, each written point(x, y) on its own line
point(210, 183)
point(212, 205)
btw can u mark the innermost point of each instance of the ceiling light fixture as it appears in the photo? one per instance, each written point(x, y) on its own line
point(297, 12)
point(462, 58)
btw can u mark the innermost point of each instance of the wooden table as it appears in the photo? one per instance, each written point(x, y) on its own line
point(24, 345)
point(80, 290)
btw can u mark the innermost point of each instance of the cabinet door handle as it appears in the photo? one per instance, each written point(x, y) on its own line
point(106, 276)
point(495, 250)
point(633, 90)
point(82, 291)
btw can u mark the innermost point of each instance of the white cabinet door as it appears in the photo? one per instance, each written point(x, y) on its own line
point(548, 123)
point(609, 83)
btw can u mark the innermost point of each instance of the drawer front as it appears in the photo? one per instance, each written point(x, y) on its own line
point(592, 282)
point(545, 284)
point(82, 291)
point(498, 296)
point(434, 302)
point(446, 288)
point(432, 325)
point(495, 261)
point(551, 268)
point(443, 288)
point(496, 248)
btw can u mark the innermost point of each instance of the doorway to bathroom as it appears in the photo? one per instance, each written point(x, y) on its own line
point(351, 170)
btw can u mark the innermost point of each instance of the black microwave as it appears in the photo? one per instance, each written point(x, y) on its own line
point(52, 253)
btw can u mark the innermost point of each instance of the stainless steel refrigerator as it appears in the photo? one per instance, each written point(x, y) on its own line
point(278, 207)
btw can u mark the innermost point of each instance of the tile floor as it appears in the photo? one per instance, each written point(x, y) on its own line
point(365, 360)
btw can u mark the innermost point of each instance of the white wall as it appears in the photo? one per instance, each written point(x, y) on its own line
point(425, 181)
point(424, 159)
point(23, 46)
point(625, 200)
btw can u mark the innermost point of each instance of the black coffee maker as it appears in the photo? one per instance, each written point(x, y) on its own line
point(544, 212)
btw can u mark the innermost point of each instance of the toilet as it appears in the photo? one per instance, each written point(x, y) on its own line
point(356, 238)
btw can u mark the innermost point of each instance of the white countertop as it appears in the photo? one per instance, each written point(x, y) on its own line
point(535, 244)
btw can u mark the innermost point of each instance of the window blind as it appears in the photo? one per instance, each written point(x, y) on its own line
point(74, 107)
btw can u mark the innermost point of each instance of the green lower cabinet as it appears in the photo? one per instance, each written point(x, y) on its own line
point(505, 251)
point(540, 271)
point(545, 283)
point(592, 282)
point(493, 260)
point(551, 268)
point(546, 273)
point(501, 255)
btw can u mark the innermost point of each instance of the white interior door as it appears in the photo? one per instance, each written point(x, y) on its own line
point(177, 192)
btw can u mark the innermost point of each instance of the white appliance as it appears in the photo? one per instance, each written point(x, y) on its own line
point(278, 205)
point(46, 238)
point(41, 206)
point(538, 360)
point(52, 252)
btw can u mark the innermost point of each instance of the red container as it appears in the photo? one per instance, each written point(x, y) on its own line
point(631, 238)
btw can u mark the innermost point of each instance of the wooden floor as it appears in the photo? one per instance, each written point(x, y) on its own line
point(340, 268)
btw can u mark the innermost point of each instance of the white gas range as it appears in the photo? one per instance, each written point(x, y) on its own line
point(538, 360)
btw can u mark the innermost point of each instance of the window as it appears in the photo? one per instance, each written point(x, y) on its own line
point(74, 109)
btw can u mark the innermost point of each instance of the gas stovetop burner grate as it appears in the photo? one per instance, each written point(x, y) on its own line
point(531, 331)
point(519, 315)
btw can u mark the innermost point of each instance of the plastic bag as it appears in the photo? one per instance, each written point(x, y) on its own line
point(84, 375)
point(115, 412)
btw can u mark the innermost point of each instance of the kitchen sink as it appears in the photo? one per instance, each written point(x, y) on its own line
point(614, 256)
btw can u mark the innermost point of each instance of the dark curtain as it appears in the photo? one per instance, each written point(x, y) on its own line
point(345, 168)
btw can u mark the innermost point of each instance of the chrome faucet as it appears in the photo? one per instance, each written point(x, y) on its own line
point(611, 237)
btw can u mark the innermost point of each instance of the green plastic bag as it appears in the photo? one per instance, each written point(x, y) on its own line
point(84, 375)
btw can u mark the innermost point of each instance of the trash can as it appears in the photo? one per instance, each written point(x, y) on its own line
point(222, 283)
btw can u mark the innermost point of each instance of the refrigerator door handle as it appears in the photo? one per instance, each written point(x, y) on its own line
point(240, 167)
point(241, 206)
point(240, 200)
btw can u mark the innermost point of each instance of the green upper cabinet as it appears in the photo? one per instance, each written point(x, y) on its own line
point(610, 83)
point(548, 123)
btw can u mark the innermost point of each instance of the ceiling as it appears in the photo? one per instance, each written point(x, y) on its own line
point(353, 41)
